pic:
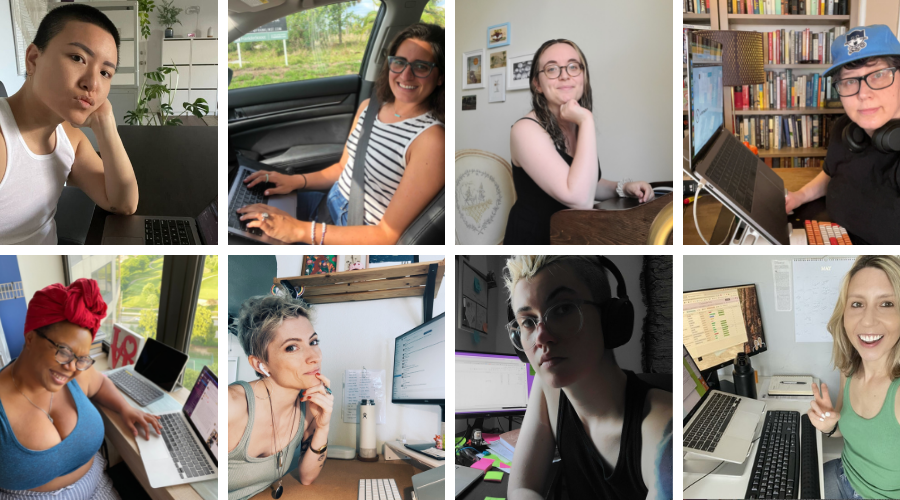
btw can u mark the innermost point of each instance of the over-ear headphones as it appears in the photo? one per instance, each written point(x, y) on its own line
point(616, 313)
point(886, 139)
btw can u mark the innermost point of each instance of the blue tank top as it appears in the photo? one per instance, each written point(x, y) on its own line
point(25, 469)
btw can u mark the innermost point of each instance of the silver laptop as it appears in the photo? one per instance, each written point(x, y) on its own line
point(161, 230)
point(188, 449)
point(466, 477)
point(239, 196)
point(717, 425)
point(734, 175)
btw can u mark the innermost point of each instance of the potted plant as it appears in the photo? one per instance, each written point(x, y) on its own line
point(165, 93)
point(168, 16)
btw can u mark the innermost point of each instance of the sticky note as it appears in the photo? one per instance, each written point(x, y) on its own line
point(502, 466)
point(483, 464)
point(494, 476)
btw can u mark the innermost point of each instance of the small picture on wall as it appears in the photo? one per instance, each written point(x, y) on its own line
point(498, 59)
point(319, 264)
point(468, 102)
point(352, 262)
point(473, 78)
point(520, 71)
point(498, 35)
point(497, 87)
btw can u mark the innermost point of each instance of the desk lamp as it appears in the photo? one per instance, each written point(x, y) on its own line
point(742, 59)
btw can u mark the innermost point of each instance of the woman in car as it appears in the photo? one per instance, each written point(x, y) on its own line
point(69, 69)
point(50, 433)
point(612, 430)
point(862, 183)
point(555, 147)
point(404, 159)
point(279, 422)
point(866, 330)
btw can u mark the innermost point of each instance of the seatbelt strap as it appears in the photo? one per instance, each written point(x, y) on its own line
point(357, 207)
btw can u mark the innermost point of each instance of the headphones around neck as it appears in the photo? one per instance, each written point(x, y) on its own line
point(886, 139)
point(616, 313)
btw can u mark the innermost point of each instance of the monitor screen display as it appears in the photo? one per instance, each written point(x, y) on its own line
point(419, 364)
point(720, 322)
point(707, 112)
point(202, 409)
point(694, 386)
point(160, 364)
point(207, 223)
point(491, 383)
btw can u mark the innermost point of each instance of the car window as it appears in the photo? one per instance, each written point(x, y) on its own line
point(317, 43)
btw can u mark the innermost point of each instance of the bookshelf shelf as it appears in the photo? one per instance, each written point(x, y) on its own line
point(711, 18)
point(792, 152)
point(690, 18)
point(790, 111)
point(737, 19)
point(815, 67)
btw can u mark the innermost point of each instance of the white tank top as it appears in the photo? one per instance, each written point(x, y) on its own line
point(31, 186)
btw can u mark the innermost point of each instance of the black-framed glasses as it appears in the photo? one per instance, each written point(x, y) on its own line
point(564, 318)
point(876, 80)
point(553, 71)
point(421, 69)
point(64, 355)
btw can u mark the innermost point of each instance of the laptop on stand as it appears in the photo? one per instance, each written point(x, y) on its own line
point(150, 230)
point(157, 369)
point(734, 175)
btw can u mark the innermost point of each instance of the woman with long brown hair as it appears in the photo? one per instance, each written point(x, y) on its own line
point(555, 147)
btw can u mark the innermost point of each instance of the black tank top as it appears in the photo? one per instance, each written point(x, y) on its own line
point(583, 470)
point(529, 217)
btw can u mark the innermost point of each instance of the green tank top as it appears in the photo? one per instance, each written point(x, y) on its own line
point(247, 475)
point(871, 447)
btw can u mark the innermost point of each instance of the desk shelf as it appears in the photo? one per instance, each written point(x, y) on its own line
point(790, 111)
point(787, 20)
point(792, 152)
point(406, 280)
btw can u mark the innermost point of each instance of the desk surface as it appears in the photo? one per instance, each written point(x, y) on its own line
point(125, 443)
point(339, 480)
point(709, 208)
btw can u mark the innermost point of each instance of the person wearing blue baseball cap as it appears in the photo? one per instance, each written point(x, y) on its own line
point(861, 177)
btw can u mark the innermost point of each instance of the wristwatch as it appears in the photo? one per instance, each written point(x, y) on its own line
point(320, 450)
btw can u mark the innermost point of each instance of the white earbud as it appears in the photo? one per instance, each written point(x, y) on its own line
point(265, 372)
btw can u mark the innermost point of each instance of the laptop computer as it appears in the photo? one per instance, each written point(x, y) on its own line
point(734, 175)
point(466, 477)
point(188, 449)
point(717, 425)
point(239, 196)
point(150, 230)
point(157, 367)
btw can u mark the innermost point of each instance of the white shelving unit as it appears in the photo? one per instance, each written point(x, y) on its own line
point(197, 63)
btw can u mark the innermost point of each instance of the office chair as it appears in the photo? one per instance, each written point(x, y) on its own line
point(74, 212)
point(485, 194)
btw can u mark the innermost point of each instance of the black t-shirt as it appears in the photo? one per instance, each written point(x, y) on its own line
point(864, 192)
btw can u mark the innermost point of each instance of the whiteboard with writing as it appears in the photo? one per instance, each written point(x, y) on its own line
point(817, 284)
point(363, 384)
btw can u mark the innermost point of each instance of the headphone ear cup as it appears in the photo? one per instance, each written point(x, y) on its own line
point(887, 138)
point(617, 322)
point(855, 138)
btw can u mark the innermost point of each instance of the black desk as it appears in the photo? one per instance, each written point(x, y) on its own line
point(490, 489)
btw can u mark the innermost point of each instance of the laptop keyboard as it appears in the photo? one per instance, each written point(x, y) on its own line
point(706, 431)
point(138, 390)
point(167, 232)
point(185, 452)
point(242, 197)
point(734, 170)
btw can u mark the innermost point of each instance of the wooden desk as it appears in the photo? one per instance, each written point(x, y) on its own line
point(709, 208)
point(120, 436)
point(623, 226)
point(339, 480)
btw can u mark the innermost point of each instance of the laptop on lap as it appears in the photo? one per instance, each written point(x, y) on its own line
point(239, 195)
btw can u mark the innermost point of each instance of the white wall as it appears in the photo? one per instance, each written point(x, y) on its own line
point(628, 47)
point(784, 356)
point(8, 70)
point(358, 334)
point(39, 271)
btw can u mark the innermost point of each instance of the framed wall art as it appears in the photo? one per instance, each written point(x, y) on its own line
point(498, 35)
point(473, 76)
point(519, 72)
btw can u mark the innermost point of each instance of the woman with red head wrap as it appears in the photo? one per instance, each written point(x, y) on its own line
point(50, 434)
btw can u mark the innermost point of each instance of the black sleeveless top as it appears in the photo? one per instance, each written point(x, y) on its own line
point(529, 218)
point(583, 470)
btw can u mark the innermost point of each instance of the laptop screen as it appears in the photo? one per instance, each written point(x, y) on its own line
point(202, 409)
point(706, 92)
point(160, 364)
point(208, 223)
point(693, 384)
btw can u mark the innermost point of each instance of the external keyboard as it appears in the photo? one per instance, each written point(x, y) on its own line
point(185, 452)
point(138, 390)
point(706, 431)
point(776, 469)
point(243, 197)
point(167, 232)
point(734, 171)
point(378, 489)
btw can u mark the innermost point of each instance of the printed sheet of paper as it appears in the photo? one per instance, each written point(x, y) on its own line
point(817, 284)
point(781, 271)
point(363, 384)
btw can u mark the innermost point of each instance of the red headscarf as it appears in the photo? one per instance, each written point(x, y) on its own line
point(80, 303)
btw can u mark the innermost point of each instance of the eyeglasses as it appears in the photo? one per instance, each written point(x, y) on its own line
point(421, 69)
point(553, 71)
point(563, 319)
point(64, 356)
point(876, 80)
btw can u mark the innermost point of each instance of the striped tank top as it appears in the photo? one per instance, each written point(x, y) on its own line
point(385, 160)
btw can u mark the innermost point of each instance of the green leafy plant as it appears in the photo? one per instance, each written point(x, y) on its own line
point(168, 15)
point(165, 93)
point(145, 7)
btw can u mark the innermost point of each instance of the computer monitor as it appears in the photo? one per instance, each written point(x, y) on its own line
point(718, 323)
point(491, 385)
point(419, 365)
point(705, 92)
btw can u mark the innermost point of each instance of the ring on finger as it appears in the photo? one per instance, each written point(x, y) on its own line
point(264, 215)
point(328, 390)
point(267, 178)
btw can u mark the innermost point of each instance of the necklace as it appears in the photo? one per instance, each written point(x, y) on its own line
point(32, 402)
point(254, 386)
point(279, 454)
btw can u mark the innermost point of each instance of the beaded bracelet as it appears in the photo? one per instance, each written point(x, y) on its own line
point(312, 233)
point(324, 228)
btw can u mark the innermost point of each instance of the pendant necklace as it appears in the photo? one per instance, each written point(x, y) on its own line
point(32, 402)
point(279, 454)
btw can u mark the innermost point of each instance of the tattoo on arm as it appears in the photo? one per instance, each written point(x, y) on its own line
point(321, 457)
point(664, 464)
point(304, 445)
